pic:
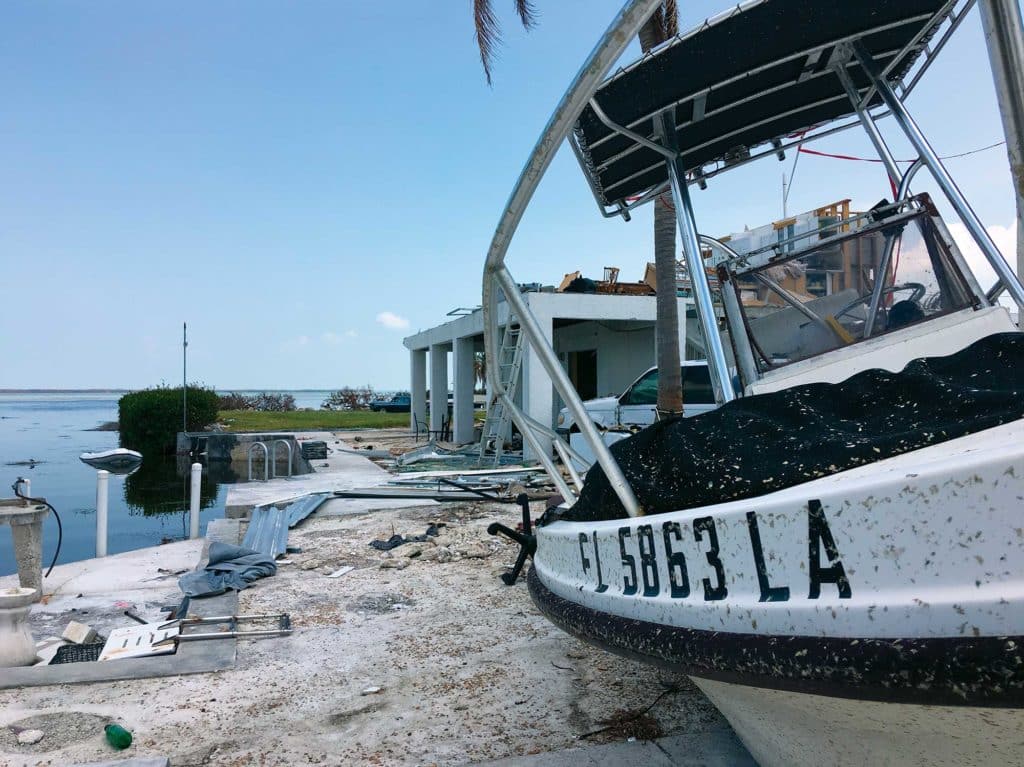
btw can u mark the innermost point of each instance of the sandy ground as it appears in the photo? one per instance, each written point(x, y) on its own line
point(468, 670)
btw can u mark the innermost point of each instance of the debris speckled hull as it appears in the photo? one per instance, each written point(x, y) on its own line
point(898, 583)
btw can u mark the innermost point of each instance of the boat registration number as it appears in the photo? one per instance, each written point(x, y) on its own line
point(647, 551)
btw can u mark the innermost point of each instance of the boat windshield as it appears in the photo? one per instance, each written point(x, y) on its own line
point(843, 287)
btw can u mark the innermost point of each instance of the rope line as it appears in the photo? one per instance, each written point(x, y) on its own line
point(805, 150)
point(665, 200)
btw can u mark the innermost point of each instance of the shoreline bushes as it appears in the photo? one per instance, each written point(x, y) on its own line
point(264, 402)
point(151, 419)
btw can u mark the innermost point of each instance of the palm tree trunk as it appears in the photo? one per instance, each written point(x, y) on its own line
point(666, 326)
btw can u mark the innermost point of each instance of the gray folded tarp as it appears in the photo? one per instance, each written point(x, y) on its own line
point(230, 567)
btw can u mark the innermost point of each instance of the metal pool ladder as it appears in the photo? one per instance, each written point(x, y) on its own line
point(270, 458)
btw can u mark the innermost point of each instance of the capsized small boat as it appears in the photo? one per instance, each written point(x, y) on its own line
point(835, 555)
point(119, 460)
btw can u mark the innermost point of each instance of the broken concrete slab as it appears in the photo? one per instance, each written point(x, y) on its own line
point(79, 633)
point(225, 531)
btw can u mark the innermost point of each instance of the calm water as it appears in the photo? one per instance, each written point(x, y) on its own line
point(144, 509)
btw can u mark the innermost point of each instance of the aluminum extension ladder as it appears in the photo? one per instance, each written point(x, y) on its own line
point(497, 425)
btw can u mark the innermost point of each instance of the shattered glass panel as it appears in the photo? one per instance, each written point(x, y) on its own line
point(827, 298)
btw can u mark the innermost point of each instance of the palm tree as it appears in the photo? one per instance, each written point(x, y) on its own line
point(662, 25)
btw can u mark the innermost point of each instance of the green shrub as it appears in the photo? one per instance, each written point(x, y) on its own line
point(150, 419)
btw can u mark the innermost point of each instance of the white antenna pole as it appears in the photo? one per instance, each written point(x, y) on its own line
point(184, 376)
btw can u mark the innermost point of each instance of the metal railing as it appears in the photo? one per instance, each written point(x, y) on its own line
point(273, 456)
point(266, 459)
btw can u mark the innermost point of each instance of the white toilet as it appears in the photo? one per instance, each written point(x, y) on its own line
point(17, 648)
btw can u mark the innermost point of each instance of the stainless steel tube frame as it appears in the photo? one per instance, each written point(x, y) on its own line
point(535, 445)
point(895, 177)
point(528, 324)
point(868, 124)
point(616, 38)
point(734, 317)
point(1004, 35)
point(904, 190)
point(942, 177)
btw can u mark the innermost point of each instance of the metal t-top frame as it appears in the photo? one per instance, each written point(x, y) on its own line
point(581, 92)
point(609, 48)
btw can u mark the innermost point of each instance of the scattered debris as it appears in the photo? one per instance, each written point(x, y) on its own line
point(46, 649)
point(341, 571)
point(371, 690)
point(342, 717)
point(79, 633)
point(314, 450)
point(77, 653)
point(117, 736)
point(280, 625)
point(267, 532)
point(437, 554)
point(380, 604)
point(230, 567)
point(60, 729)
point(397, 540)
point(137, 642)
point(30, 737)
point(636, 723)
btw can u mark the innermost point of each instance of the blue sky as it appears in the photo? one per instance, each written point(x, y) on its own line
point(306, 183)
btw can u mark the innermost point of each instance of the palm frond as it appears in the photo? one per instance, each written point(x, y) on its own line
point(488, 33)
point(527, 14)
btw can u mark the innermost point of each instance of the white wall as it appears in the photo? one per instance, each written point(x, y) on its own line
point(622, 355)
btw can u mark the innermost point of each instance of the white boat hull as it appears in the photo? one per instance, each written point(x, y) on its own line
point(889, 597)
point(781, 729)
point(117, 460)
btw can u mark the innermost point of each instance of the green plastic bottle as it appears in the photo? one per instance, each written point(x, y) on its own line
point(118, 736)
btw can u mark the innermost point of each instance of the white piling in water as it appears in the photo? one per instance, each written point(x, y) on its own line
point(102, 482)
point(193, 505)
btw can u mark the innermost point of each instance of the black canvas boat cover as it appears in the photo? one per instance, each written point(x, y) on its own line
point(758, 73)
point(757, 445)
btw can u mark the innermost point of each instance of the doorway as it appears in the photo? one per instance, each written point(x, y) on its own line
point(583, 372)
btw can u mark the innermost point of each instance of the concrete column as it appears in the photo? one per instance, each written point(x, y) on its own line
point(28, 553)
point(438, 386)
point(418, 389)
point(538, 392)
point(462, 351)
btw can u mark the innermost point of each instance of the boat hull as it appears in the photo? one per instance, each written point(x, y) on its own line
point(782, 728)
point(884, 604)
point(118, 460)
